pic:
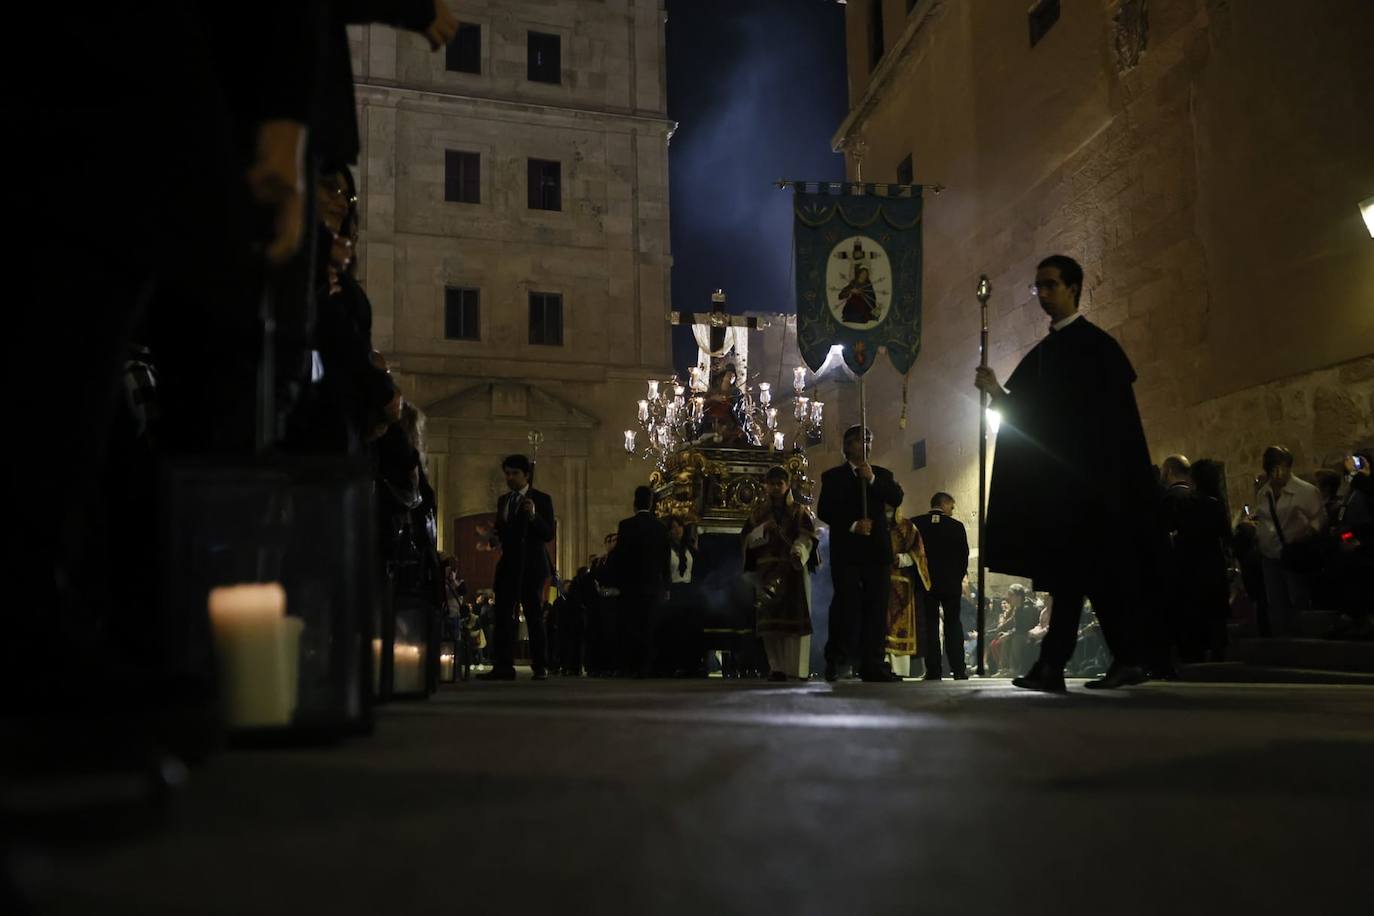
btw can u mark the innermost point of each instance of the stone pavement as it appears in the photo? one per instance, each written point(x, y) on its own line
point(725, 797)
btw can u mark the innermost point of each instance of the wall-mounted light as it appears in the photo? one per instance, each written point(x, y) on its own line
point(1367, 211)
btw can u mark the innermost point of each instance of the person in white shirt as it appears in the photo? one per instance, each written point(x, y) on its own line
point(1287, 511)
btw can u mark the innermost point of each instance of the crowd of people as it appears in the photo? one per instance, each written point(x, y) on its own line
point(639, 609)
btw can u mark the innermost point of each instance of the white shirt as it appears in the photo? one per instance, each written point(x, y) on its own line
point(1065, 322)
point(1301, 513)
point(674, 576)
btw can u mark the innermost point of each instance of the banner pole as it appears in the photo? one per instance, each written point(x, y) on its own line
point(984, 399)
point(863, 437)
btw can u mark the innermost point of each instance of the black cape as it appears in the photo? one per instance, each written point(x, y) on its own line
point(1072, 486)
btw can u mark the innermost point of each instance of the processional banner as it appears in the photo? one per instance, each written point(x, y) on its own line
point(858, 259)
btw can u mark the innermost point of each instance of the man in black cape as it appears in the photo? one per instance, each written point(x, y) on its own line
point(1071, 500)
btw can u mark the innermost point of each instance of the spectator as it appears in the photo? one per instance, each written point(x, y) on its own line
point(1346, 581)
point(1288, 519)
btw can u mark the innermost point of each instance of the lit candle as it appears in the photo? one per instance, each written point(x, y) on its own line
point(653, 389)
point(407, 669)
point(698, 407)
point(778, 441)
point(257, 650)
point(630, 441)
point(799, 379)
point(678, 391)
point(800, 410)
point(816, 408)
point(698, 376)
point(772, 418)
point(446, 666)
point(765, 393)
point(643, 411)
point(376, 666)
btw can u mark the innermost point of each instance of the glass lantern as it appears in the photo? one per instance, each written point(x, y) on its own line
point(280, 553)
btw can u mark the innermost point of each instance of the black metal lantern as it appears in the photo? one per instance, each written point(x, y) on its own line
point(406, 651)
point(280, 552)
point(448, 661)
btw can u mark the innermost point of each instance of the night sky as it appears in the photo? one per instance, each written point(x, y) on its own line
point(757, 88)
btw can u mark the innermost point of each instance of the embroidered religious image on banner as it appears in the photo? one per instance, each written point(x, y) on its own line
point(858, 260)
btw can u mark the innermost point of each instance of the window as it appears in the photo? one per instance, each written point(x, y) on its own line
point(875, 33)
point(918, 455)
point(462, 177)
point(462, 314)
point(1043, 16)
point(464, 54)
point(546, 319)
point(545, 184)
point(904, 171)
point(545, 58)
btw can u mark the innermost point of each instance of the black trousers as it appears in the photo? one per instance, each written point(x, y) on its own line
point(572, 628)
point(930, 605)
point(1116, 614)
point(508, 592)
point(858, 615)
point(639, 612)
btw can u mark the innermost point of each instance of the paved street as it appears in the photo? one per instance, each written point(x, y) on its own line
point(587, 796)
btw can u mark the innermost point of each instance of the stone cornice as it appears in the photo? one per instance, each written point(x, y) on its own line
point(920, 17)
point(385, 90)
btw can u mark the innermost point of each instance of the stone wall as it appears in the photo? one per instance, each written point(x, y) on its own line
point(1201, 158)
point(606, 251)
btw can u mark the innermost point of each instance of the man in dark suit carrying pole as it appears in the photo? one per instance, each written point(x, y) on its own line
point(524, 524)
point(860, 557)
point(1071, 504)
point(947, 558)
point(640, 569)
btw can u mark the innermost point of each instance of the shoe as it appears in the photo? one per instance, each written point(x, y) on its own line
point(832, 671)
point(881, 676)
point(497, 674)
point(777, 677)
point(1118, 676)
point(1040, 679)
point(961, 676)
point(1162, 673)
point(932, 677)
point(540, 676)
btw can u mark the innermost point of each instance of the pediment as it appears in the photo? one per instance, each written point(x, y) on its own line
point(511, 402)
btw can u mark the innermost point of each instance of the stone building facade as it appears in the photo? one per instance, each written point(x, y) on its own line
point(1203, 159)
point(506, 309)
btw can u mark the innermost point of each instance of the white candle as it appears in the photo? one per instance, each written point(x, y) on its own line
point(778, 441)
point(257, 649)
point(407, 669)
point(376, 666)
point(446, 666)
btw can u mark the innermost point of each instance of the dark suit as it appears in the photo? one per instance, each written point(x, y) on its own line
point(859, 564)
point(521, 573)
point(946, 544)
point(640, 569)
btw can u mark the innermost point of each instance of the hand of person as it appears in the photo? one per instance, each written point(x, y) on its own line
point(527, 505)
point(863, 526)
point(445, 25)
point(865, 471)
point(393, 407)
point(986, 381)
point(276, 182)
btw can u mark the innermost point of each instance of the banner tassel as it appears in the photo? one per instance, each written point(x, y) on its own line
point(906, 377)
